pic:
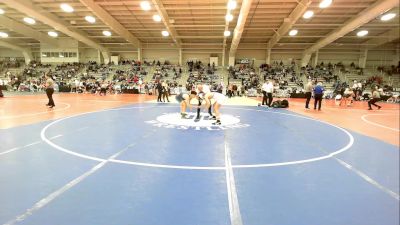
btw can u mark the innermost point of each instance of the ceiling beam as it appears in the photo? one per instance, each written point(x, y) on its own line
point(362, 18)
point(200, 25)
point(228, 11)
point(165, 18)
point(30, 8)
point(25, 52)
point(237, 34)
point(27, 31)
point(110, 21)
point(384, 38)
point(289, 22)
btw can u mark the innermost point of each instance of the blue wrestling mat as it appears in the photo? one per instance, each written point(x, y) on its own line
point(144, 165)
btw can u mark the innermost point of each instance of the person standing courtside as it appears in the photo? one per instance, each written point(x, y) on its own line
point(318, 93)
point(1, 88)
point(308, 90)
point(50, 91)
point(165, 91)
point(264, 91)
point(159, 91)
point(376, 97)
point(269, 89)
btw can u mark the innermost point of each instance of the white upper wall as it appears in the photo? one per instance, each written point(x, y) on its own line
point(8, 53)
point(65, 45)
point(89, 54)
point(171, 55)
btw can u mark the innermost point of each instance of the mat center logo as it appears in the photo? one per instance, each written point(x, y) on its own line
point(205, 122)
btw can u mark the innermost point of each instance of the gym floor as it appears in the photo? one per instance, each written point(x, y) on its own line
point(126, 160)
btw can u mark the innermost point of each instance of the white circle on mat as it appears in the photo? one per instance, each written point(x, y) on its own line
point(184, 167)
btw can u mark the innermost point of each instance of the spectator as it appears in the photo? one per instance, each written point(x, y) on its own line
point(308, 91)
point(318, 93)
point(376, 97)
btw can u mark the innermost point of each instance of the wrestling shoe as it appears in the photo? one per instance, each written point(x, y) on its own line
point(217, 123)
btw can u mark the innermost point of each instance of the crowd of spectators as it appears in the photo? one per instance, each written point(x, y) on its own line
point(281, 74)
point(5, 64)
point(241, 78)
point(204, 74)
point(327, 72)
point(128, 76)
point(167, 71)
point(200, 73)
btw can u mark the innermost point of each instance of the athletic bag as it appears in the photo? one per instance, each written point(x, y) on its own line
point(285, 103)
point(276, 104)
point(280, 104)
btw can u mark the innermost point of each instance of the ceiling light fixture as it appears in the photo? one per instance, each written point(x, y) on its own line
point(229, 17)
point(3, 35)
point(388, 16)
point(29, 20)
point(293, 32)
point(1, 11)
point(145, 5)
point(90, 19)
point(227, 33)
point(308, 14)
point(52, 34)
point(157, 18)
point(66, 8)
point(232, 5)
point(107, 33)
point(325, 4)
point(165, 33)
point(362, 33)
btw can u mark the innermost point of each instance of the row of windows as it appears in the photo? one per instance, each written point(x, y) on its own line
point(59, 54)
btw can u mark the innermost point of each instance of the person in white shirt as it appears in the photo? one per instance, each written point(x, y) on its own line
point(308, 90)
point(49, 91)
point(264, 91)
point(376, 97)
point(347, 95)
point(165, 91)
point(269, 89)
point(76, 85)
point(103, 88)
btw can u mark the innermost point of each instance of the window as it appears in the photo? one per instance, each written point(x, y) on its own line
point(59, 54)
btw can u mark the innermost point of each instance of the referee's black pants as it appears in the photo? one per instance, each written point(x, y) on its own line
point(317, 99)
point(49, 93)
point(270, 98)
point(264, 100)
point(308, 97)
point(373, 101)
